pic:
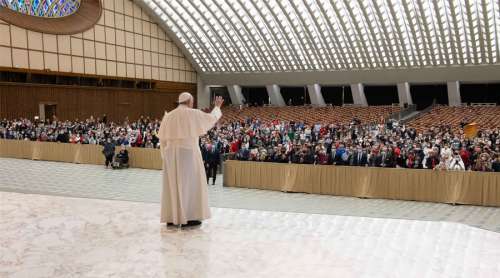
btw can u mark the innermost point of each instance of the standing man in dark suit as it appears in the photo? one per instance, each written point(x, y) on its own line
point(212, 159)
point(109, 152)
point(375, 159)
point(360, 158)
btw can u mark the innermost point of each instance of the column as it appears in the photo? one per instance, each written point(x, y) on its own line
point(275, 96)
point(235, 94)
point(315, 95)
point(454, 98)
point(202, 94)
point(404, 94)
point(358, 94)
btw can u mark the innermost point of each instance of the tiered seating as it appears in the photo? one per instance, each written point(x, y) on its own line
point(485, 116)
point(310, 115)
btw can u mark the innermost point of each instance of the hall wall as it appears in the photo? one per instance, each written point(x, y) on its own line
point(124, 43)
point(78, 102)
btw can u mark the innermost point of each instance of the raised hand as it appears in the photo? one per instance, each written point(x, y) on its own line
point(219, 101)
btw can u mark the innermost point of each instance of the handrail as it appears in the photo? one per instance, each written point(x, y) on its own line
point(483, 104)
point(402, 113)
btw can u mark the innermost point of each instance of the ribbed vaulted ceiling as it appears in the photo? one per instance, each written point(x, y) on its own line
point(237, 36)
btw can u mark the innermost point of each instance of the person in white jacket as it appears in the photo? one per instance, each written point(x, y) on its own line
point(446, 151)
point(456, 163)
point(184, 198)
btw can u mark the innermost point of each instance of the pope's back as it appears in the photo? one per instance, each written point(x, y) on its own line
point(184, 197)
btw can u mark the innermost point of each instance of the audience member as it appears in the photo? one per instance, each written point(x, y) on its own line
point(122, 156)
point(251, 139)
point(356, 145)
point(211, 158)
point(141, 133)
point(109, 152)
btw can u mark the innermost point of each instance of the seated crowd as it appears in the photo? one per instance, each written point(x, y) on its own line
point(141, 133)
point(433, 144)
point(354, 142)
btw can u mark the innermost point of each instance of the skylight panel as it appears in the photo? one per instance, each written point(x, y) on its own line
point(327, 34)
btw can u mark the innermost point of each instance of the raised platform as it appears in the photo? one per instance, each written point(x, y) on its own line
point(49, 236)
point(141, 185)
point(454, 187)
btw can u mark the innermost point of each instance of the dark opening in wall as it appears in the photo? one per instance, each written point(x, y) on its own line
point(255, 96)
point(141, 84)
point(348, 95)
point(425, 95)
point(111, 83)
point(67, 80)
point(333, 94)
point(42, 78)
point(7, 76)
point(480, 93)
point(74, 80)
point(295, 96)
point(89, 81)
point(220, 91)
point(381, 95)
point(128, 84)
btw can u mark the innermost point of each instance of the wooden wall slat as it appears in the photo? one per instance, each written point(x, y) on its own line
point(22, 100)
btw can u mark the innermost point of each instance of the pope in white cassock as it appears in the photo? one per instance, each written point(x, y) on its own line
point(184, 197)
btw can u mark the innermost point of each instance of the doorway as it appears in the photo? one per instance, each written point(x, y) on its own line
point(47, 111)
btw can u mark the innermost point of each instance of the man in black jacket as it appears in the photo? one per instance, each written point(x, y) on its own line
point(432, 161)
point(496, 164)
point(122, 157)
point(63, 137)
point(108, 151)
point(211, 157)
point(359, 158)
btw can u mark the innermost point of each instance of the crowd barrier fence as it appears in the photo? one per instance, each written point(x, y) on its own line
point(76, 153)
point(454, 187)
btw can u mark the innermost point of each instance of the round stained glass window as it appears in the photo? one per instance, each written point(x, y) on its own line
point(43, 8)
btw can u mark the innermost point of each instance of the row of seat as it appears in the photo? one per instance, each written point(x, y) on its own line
point(439, 115)
point(485, 116)
point(310, 115)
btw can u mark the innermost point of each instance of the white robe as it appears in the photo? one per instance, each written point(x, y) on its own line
point(184, 195)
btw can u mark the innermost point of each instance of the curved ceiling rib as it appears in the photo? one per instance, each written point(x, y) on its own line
point(242, 35)
point(345, 32)
point(299, 45)
point(199, 53)
point(368, 16)
point(320, 26)
point(308, 35)
point(249, 36)
point(204, 29)
point(286, 39)
point(251, 10)
point(342, 52)
point(283, 47)
point(210, 28)
point(361, 42)
point(401, 35)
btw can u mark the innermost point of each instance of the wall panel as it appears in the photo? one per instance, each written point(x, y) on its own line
point(123, 23)
point(22, 100)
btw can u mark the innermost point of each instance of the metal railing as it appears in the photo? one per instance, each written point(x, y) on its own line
point(402, 113)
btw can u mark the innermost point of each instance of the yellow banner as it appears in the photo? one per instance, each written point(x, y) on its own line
point(471, 130)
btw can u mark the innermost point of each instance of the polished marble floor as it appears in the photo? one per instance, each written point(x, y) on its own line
point(55, 236)
point(69, 220)
point(91, 181)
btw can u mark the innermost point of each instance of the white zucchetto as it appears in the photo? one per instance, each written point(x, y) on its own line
point(185, 97)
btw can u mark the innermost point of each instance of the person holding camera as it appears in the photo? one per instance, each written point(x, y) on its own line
point(456, 163)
